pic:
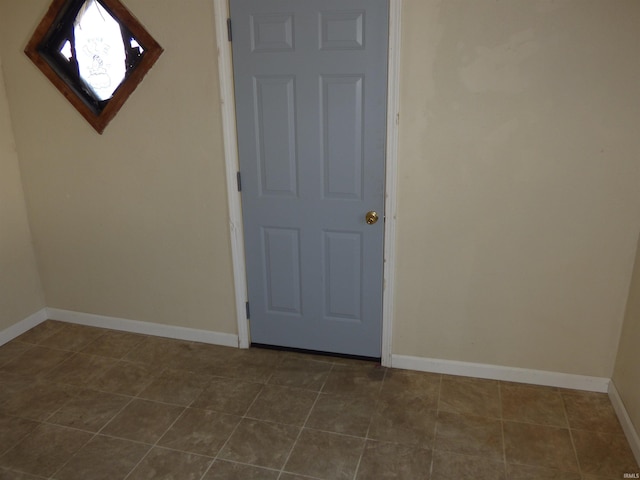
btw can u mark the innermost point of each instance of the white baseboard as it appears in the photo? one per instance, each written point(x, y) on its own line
point(496, 372)
point(147, 328)
point(450, 367)
point(22, 326)
point(625, 421)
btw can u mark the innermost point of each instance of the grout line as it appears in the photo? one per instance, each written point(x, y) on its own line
point(45, 373)
point(95, 434)
point(384, 378)
point(155, 444)
point(293, 446)
point(435, 428)
point(375, 410)
point(346, 435)
point(271, 469)
point(504, 443)
point(573, 443)
point(148, 383)
point(244, 416)
point(19, 440)
point(30, 346)
point(75, 354)
point(90, 439)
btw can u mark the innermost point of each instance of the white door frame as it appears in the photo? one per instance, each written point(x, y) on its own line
point(225, 72)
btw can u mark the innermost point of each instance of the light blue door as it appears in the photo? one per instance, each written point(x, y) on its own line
point(310, 88)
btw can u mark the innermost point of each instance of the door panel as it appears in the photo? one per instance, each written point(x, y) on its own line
point(310, 87)
point(275, 128)
point(343, 275)
point(342, 135)
point(282, 265)
point(341, 30)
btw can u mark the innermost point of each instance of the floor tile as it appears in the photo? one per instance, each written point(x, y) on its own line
point(125, 378)
point(72, 337)
point(162, 464)
point(103, 458)
point(228, 395)
point(360, 379)
point(113, 344)
point(36, 362)
point(156, 351)
point(382, 460)
point(10, 351)
point(591, 411)
point(469, 435)
point(116, 402)
point(176, 386)
point(447, 466)
point(12, 384)
point(606, 455)
point(200, 431)
point(6, 474)
point(40, 332)
point(253, 365)
point(202, 358)
point(39, 400)
point(539, 446)
point(529, 385)
point(90, 410)
point(395, 421)
point(143, 421)
point(347, 414)
point(524, 472)
point(533, 405)
point(470, 396)
point(412, 388)
point(45, 450)
point(293, 476)
point(283, 405)
point(80, 369)
point(13, 430)
point(325, 455)
point(301, 373)
point(222, 470)
point(260, 443)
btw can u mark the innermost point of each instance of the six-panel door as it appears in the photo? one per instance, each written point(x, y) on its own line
point(310, 88)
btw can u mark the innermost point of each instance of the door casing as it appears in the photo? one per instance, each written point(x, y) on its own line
point(225, 72)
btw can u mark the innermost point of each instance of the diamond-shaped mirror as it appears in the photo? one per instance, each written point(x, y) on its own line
point(95, 52)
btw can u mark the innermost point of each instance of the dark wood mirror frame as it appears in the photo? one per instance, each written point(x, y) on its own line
point(98, 118)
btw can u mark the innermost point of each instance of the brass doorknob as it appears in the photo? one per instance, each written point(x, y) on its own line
point(371, 217)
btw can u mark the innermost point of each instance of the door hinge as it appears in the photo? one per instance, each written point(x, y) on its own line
point(229, 36)
point(239, 181)
point(248, 311)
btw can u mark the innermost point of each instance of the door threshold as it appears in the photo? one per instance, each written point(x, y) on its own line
point(316, 352)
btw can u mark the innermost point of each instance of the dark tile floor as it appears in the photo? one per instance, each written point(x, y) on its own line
point(81, 403)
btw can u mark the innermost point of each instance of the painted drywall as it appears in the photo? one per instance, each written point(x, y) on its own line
point(133, 223)
point(518, 207)
point(20, 291)
point(626, 376)
point(519, 166)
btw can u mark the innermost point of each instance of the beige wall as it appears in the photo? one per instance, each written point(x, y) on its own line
point(20, 292)
point(626, 376)
point(518, 171)
point(519, 204)
point(132, 223)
